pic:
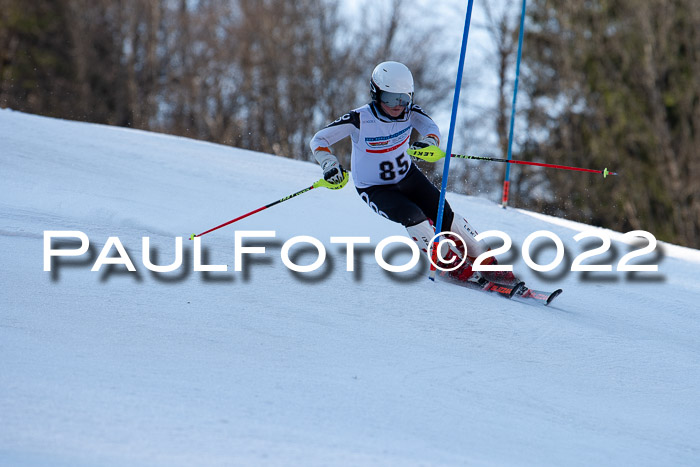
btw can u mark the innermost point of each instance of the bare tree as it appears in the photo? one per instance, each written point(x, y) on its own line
point(616, 85)
point(258, 74)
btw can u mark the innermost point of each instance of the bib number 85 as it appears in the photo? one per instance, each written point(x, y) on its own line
point(388, 170)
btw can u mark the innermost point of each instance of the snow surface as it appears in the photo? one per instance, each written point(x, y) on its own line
point(269, 367)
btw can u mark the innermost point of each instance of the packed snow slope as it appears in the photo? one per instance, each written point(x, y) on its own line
point(268, 367)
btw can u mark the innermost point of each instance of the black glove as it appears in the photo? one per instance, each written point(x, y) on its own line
point(419, 145)
point(430, 140)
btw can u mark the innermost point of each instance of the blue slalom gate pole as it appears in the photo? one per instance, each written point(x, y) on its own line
point(506, 181)
point(453, 118)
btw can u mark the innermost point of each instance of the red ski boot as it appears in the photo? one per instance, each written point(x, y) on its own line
point(498, 277)
point(462, 273)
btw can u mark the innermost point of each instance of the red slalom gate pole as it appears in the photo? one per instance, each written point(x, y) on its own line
point(506, 179)
point(320, 183)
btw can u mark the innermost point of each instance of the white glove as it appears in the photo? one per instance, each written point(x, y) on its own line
point(333, 172)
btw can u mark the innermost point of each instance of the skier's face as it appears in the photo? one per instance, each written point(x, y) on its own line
point(393, 111)
point(394, 103)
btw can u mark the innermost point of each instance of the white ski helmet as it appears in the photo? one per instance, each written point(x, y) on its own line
point(391, 83)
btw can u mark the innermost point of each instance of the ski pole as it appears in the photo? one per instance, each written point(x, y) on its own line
point(321, 183)
point(434, 154)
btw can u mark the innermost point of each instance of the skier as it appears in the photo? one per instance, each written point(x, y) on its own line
point(384, 175)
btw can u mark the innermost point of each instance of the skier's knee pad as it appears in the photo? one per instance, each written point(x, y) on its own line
point(461, 227)
point(422, 233)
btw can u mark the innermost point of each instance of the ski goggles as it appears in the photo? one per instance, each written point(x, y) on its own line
point(392, 99)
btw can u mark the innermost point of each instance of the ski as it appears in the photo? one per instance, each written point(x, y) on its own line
point(527, 295)
point(507, 291)
point(518, 292)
